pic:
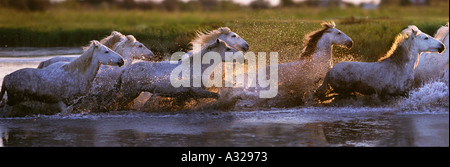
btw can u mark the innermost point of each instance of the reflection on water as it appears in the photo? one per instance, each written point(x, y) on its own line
point(264, 128)
point(35, 52)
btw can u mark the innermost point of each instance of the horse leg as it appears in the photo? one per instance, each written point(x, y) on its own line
point(328, 95)
point(3, 90)
point(149, 102)
point(308, 98)
point(202, 93)
point(387, 97)
point(321, 93)
point(12, 100)
point(127, 98)
point(342, 95)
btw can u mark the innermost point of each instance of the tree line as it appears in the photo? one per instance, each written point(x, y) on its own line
point(174, 5)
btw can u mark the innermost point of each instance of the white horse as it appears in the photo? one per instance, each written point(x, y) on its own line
point(102, 94)
point(115, 42)
point(297, 80)
point(391, 75)
point(59, 82)
point(108, 41)
point(207, 38)
point(130, 49)
point(154, 77)
point(432, 65)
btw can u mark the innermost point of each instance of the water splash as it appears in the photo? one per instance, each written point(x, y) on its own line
point(428, 97)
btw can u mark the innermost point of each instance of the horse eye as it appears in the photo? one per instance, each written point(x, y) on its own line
point(140, 46)
point(106, 51)
point(228, 49)
point(339, 33)
point(426, 38)
point(233, 36)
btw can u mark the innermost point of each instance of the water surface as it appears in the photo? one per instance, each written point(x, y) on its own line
point(288, 127)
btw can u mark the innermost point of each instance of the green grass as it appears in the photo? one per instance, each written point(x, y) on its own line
point(280, 30)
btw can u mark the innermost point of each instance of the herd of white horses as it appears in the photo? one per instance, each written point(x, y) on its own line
point(104, 77)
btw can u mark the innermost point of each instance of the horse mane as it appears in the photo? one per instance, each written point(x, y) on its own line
point(208, 36)
point(399, 48)
point(110, 41)
point(128, 41)
point(83, 62)
point(441, 33)
point(408, 29)
point(207, 47)
point(311, 39)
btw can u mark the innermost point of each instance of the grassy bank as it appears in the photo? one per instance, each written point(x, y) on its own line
point(279, 30)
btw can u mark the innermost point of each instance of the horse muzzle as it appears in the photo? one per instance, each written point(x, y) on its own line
point(120, 63)
point(245, 48)
point(441, 48)
point(349, 45)
point(150, 54)
point(148, 57)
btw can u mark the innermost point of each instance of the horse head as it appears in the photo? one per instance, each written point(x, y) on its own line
point(442, 34)
point(233, 39)
point(131, 48)
point(106, 56)
point(223, 49)
point(336, 36)
point(323, 39)
point(423, 42)
point(223, 33)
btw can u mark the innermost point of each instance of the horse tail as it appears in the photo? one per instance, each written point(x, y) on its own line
point(2, 92)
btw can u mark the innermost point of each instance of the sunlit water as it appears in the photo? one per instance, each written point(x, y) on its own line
point(420, 120)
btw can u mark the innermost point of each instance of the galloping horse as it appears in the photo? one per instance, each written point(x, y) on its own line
point(297, 80)
point(115, 42)
point(391, 75)
point(59, 82)
point(102, 95)
point(154, 77)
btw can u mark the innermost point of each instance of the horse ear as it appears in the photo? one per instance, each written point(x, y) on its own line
point(96, 43)
point(116, 33)
point(130, 37)
point(413, 33)
point(224, 30)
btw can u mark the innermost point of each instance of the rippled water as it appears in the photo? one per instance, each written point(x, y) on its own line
point(293, 127)
point(402, 124)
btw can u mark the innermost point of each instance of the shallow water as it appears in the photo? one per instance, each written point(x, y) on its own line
point(289, 127)
point(303, 126)
point(38, 52)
